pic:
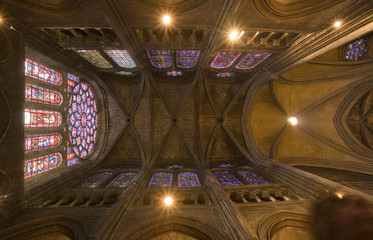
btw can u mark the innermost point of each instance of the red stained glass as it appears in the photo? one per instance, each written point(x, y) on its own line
point(42, 164)
point(42, 141)
point(42, 118)
point(38, 94)
point(41, 72)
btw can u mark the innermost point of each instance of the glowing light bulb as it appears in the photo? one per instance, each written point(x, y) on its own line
point(168, 201)
point(233, 35)
point(340, 195)
point(293, 121)
point(337, 24)
point(166, 19)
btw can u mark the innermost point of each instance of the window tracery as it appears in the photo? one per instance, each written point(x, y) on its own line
point(122, 180)
point(160, 58)
point(42, 141)
point(41, 72)
point(161, 179)
point(188, 179)
point(224, 59)
point(42, 164)
point(38, 94)
point(82, 120)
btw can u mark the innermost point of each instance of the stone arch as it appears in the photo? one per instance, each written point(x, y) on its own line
point(56, 227)
point(5, 46)
point(342, 114)
point(283, 10)
point(4, 183)
point(186, 226)
point(270, 226)
point(5, 115)
point(56, 7)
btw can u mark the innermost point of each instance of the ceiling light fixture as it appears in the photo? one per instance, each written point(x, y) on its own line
point(166, 19)
point(340, 195)
point(293, 121)
point(168, 201)
point(337, 24)
point(233, 35)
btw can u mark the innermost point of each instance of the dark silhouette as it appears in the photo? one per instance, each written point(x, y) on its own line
point(345, 218)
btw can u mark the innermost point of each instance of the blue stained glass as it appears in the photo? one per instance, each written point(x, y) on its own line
point(188, 179)
point(174, 73)
point(72, 77)
point(252, 177)
point(227, 165)
point(160, 58)
point(225, 74)
point(355, 49)
point(122, 180)
point(224, 59)
point(161, 179)
point(72, 161)
point(187, 58)
point(227, 179)
point(95, 180)
point(251, 60)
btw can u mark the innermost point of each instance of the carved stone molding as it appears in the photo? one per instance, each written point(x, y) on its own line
point(282, 10)
point(342, 115)
point(5, 47)
point(272, 223)
point(5, 116)
point(180, 6)
point(54, 7)
point(4, 183)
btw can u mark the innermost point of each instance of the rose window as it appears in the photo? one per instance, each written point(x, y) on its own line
point(82, 120)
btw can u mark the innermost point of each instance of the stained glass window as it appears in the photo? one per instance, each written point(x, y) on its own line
point(187, 58)
point(71, 82)
point(225, 165)
point(95, 58)
point(188, 179)
point(160, 58)
point(226, 178)
point(72, 162)
point(121, 57)
point(356, 49)
point(42, 164)
point(175, 167)
point(122, 180)
point(72, 77)
point(225, 74)
point(42, 141)
point(161, 179)
point(124, 73)
point(251, 60)
point(38, 94)
point(70, 156)
point(252, 177)
point(82, 120)
point(95, 180)
point(40, 72)
point(224, 59)
point(174, 73)
point(42, 118)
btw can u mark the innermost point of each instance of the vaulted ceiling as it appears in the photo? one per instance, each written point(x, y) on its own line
point(198, 118)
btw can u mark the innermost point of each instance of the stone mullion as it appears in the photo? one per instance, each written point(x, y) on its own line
point(232, 218)
point(111, 228)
